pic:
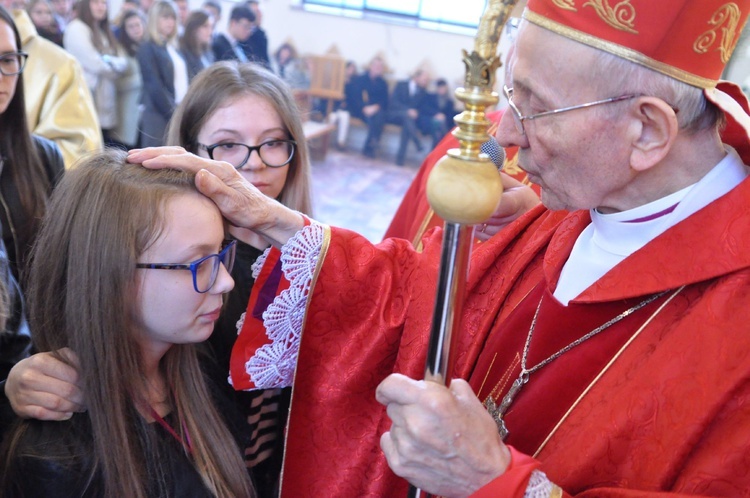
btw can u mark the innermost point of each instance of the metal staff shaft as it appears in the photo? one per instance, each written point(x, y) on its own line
point(454, 266)
point(464, 189)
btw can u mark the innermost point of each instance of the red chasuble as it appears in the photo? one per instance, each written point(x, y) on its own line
point(659, 402)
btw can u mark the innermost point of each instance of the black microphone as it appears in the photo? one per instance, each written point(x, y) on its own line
point(496, 153)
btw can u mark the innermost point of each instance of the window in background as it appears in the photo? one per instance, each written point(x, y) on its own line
point(445, 15)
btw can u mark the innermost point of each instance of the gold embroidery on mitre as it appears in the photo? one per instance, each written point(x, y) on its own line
point(565, 4)
point(621, 16)
point(727, 18)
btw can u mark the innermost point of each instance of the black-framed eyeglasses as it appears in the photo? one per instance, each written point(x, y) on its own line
point(273, 153)
point(519, 118)
point(12, 63)
point(205, 270)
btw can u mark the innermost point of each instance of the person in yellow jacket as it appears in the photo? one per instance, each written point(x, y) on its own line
point(58, 102)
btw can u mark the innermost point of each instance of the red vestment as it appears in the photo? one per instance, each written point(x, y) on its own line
point(670, 413)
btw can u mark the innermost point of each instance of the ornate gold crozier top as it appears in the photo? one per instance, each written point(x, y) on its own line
point(464, 187)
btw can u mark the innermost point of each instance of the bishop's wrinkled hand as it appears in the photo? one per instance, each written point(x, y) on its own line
point(442, 440)
point(239, 201)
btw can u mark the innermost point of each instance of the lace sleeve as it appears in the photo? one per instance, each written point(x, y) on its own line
point(273, 364)
point(541, 487)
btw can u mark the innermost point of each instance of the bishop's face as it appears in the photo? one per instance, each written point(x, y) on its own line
point(579, 158)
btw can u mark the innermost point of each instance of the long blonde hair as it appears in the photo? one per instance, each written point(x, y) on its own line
point(223, 81)
point(103, 215)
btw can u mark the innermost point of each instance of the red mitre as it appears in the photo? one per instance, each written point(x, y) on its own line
point(688, 40)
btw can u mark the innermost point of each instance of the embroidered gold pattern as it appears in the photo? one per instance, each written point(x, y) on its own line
point(727, 18)
point(620, 51)
point(621, 16)
point(511, 167)
point(565, 4)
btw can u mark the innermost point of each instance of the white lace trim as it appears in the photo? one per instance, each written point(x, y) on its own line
point(273, 364)
point(258, 265)
point(539, 486)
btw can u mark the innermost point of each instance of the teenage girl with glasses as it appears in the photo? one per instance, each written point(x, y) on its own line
point(245, 115)
point(135, 280)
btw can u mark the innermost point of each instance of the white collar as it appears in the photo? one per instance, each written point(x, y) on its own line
point(610, 238)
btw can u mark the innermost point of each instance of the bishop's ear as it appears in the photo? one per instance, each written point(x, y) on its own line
point(654, 132)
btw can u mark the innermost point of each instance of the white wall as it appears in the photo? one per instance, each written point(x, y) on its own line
point(404, 48)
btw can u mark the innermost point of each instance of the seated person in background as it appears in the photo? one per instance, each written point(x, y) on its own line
point(369, 102)
point(59, 105)
point(150, 428)
point(437, 112)
point(340, 113)
point(226, 46)
point(290, 67)
point(406, 101)
point(40, 13)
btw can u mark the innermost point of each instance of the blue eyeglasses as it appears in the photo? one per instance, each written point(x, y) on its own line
point(204, 270)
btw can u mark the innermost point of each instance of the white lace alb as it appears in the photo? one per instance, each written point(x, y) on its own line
point(539, 486)
point(273, 364)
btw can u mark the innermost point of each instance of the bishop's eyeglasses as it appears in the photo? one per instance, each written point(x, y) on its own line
point(12, 63)
point(205, 271)
point(273, 153)
point(519, 118)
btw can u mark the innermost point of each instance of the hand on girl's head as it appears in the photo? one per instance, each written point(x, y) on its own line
point(238, 200)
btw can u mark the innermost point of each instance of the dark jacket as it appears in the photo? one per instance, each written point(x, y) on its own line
point(194, 64)
point(158, 92)
point(222, 48)
point(431, 105)
point(12, 216)
point(401, 100)
point(59, 457)
point(256, 48)
point(15, 338)
point(367, 91)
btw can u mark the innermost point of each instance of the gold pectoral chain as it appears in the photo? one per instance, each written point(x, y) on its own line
point(498, 412)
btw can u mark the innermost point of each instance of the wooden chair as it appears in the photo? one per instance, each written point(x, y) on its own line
point(327, 78)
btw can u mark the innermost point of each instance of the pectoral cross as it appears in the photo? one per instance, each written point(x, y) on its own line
point(497, 412)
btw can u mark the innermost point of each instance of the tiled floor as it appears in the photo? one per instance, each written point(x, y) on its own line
point(362, 194)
